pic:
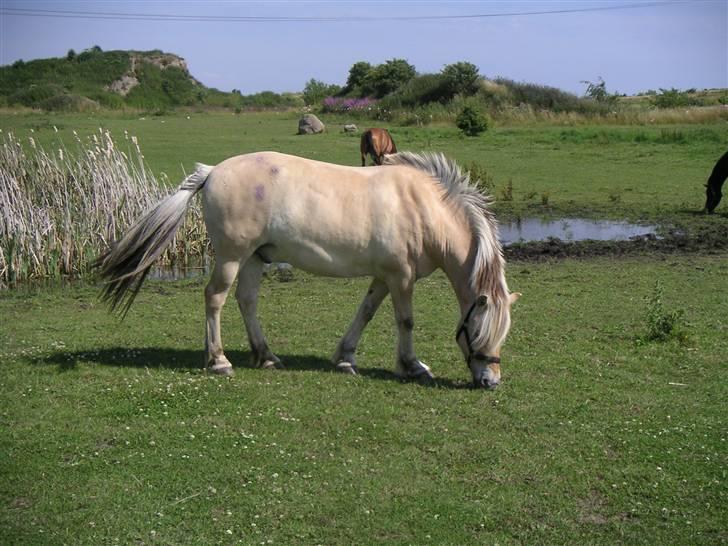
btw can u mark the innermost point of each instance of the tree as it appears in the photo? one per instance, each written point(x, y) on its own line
point(388, 77)
point(357, 75)
point(461, 78)
point(71, 55)
point(316, 91)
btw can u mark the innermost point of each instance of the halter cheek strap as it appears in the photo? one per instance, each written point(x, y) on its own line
point(471, 354)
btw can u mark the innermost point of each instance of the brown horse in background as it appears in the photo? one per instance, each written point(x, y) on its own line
point(377, 143)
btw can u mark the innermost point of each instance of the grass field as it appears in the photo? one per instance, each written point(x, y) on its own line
point(640, 172)
point(112, 434)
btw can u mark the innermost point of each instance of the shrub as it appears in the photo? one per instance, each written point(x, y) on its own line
point(661, 323)
point(471, 121)
point(315, 91)
point(35, 94)
point(419, 91)
point(507, 192)
point(672, 98)
point(69, 103)
point(480, 178)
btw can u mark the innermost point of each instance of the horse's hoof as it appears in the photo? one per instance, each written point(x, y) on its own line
point(425, 377)
point(271, 365)
point(226, 370)
point(346, 367)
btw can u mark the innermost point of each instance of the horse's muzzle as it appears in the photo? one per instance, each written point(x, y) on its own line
point(484, 383)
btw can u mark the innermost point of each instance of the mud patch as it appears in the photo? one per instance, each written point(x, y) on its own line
point(705, 239)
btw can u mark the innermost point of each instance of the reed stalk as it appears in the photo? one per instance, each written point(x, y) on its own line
point(59, 210)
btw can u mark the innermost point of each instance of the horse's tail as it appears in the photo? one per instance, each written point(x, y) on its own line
point(126, 263)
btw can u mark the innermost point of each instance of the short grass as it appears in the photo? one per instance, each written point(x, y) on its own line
point(111, 433)
point(639, 172)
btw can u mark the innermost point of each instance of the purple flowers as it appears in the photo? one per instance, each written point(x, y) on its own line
point(342, 105)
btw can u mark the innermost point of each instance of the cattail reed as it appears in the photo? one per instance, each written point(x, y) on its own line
point(59, 210)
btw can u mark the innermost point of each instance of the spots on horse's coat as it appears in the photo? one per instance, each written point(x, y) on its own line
point(274, 170)
point(259, 192)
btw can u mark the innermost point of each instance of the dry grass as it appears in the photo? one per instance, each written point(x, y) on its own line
point(61, 209)
point(622, 115)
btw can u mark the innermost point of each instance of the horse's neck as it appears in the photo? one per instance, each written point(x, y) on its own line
point(457, 259)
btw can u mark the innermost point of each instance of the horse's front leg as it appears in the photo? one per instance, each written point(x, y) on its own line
point(343, 357)
point(247, 295)
point(407, 365)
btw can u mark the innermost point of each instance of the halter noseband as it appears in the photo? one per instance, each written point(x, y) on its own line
point(480, 300)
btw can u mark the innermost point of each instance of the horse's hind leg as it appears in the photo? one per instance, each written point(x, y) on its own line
point(343, 358)
point(247, 296)
point(223, 276)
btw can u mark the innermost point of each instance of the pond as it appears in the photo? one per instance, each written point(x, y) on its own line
point(570, 229)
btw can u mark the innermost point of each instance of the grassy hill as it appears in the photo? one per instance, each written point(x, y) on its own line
point(111, 79)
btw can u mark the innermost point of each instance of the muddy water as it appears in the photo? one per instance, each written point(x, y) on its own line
point(570, 229)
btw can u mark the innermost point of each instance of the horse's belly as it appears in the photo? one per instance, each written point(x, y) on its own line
point(327, 261)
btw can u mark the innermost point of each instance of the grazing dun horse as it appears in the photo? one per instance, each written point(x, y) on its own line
point(395, 223)
point(377, 143)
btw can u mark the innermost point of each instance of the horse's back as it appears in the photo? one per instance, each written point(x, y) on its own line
point(319, 215)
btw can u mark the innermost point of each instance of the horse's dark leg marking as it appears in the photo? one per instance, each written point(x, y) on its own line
point(407, 365)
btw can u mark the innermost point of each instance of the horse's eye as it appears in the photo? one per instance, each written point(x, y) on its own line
point(482, 300)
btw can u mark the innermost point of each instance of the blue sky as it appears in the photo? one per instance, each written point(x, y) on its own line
point(655, 45)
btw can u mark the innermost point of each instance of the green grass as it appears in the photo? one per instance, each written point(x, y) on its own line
point(640, 172)
point(111, 432)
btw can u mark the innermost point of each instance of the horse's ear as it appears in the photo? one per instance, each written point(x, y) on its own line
point(513, 297)
point(481, 301)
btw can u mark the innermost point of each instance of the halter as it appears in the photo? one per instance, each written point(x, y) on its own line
point(482, 300)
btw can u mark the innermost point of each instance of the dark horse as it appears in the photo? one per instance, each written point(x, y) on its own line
point(715, 183)
point(377, 143)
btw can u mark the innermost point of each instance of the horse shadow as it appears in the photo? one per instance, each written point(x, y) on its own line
point(162, 358)
point(701, 213)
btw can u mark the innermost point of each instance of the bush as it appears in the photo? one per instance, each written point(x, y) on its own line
point(480, 178)
point(672, 98)
point(419, 91)
point(471, 121)
point(69, 103)
point(661, 324)
point(315, 91)
point(35, 94)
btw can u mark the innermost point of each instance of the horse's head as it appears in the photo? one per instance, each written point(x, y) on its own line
point(483, 329)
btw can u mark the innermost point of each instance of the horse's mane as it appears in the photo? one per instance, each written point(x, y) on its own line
point(488, 274)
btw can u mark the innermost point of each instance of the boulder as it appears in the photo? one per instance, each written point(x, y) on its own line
point(310, 125)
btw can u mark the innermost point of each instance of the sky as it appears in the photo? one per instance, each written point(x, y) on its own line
point(633, 45)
